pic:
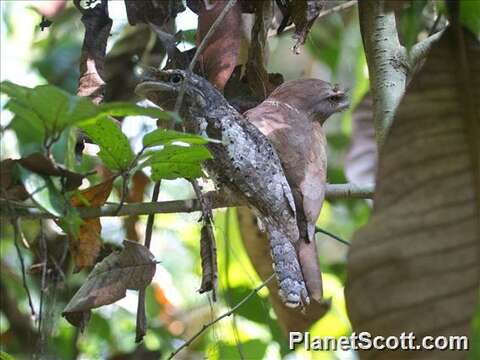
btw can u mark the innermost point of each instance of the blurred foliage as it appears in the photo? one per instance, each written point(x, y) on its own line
point(175, 310)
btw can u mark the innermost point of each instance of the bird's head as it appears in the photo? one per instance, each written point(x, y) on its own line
point(162, 87)
point(318, 99)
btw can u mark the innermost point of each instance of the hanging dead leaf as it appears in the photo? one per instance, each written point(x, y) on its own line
point(256, 72)
point(219, 57)
point(86, 247)
point(303, 14)
point(415, 266)
point(153, 11)
point(132, 268)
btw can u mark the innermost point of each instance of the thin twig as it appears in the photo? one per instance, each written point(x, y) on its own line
point(224, 315)
point(123, 194)
point(141, 316)
point(333, 236)
point(44, 255)
point(217, 200)
point(16, 234)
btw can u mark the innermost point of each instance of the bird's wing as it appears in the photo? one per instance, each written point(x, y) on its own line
point(313, 185)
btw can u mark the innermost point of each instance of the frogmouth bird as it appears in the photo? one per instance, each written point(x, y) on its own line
point(292, 118)
point(244, 163)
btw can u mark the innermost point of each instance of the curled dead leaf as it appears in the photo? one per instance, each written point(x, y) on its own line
point(85, 247)
point(219, 57)
point(303, 14)
point(153, 11)
point(139, 184)
point(132, 268)
point(41, 164)
point(256, 72)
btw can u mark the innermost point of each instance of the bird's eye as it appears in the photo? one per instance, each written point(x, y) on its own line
point(176, 78)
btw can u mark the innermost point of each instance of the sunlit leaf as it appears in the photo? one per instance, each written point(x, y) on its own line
point(175, 161)
point(115, 150)
point(165, 136)
point(43, 192)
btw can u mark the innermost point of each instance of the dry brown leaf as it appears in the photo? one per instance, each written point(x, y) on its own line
point(132, 268)
point(256, 72)
point(154, 11)
point(86, 247)
point(41, 164)
point(10, 188)
point(139, 184)
point(221, 53)
point(415, 266)
point(303, 13)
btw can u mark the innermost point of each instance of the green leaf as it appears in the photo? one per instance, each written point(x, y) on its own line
point(470, 15)
point(251, 349)
point(175, 161)
point(410, 23)
point(43, 192)
point(14, 91)
point(5, 356)
point(165, 137)
point(47, 107)
point(115, 149)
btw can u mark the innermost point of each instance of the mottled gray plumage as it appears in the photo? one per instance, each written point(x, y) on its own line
point(291, 118)
point(244, 163)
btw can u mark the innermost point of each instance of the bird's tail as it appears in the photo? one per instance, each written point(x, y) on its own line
point(308, 258)
point(292, 288)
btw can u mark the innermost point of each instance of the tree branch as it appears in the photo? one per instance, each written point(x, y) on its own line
point(388, 65)
point(420, 50)
point(217, 200)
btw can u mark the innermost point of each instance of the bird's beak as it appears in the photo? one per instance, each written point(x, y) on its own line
point(145, 88)
point(161, 93)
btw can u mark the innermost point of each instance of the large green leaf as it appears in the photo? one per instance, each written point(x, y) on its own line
point(49, 106)
point(115, 149)
point(470, 15)
point(165, 137)
point(47, 110)
point(43, 192)
point(175, 161)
